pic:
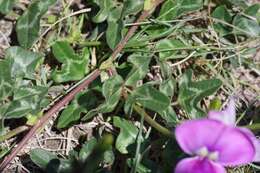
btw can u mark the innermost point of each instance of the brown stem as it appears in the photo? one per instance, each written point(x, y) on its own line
point(42, 121)
point(129, 34)
point(66, 99)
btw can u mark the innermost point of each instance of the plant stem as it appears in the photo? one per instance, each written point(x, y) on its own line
point(253, 127)
point(152, 122)
point(13, 132)
point(90, 43)
point(43, 120)
point(137, 152)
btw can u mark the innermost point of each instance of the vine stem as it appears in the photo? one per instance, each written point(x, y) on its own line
point(152, 122)
point(67, 98)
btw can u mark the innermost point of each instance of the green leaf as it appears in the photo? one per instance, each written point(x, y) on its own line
point(223, 14)
point(6, 83)
point(28, 25)
point(96, 158)
point(50, 162)
point(169, 115)
point(6, 6)
point(23, 62)
point(253, 10)
point(139, 70)
point(114, 33)
point(41, 157)
point(246, 26)
point(166, 48)
point(74, 67)
point(109, 157)
point(167, 87)
point(127, 136)
point(114, 30)
point(105, 7)
point(132, 7)
point(140, 167)
point(69, 115)
point(172, 9)
point(87, 148)
point(81, 104)
point(150, 98)
point(191, 93)
point(26, 100)
point(111, 90)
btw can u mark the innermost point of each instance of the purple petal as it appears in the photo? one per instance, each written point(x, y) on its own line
point(227, 116)
point(255, 141)
point(193, 135)
point(198, 165)
point(234, 147)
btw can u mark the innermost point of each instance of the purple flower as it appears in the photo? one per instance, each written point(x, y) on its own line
point(215, 142)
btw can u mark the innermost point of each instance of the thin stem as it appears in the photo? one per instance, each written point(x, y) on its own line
point(13, 133)
point(153, 123)
point(253, 127)
point(137, 152)
point(90, 43)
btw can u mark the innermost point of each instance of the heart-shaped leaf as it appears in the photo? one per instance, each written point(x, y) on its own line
point(167, 47)
point(191, 93)
point(246, 26)
point(111, 90)
point(139, 70)
point(81, 104)
point(74, 67)
point(127, 136)
point(23, 62)
point(169, 115)
point(223, 14)
point(149, 97)
point(26, 100)
point(42, 157)
point(28, 25)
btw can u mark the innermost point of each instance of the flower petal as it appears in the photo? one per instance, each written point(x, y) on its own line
point(255, 141)
point(193, 135)
point(198, 165)
point(234, 147)
point(227, 116)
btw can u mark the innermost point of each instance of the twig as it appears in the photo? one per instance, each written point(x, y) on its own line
point(65, 100)
point(42, 121)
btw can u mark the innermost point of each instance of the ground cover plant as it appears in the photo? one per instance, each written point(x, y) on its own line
point(131, 86)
